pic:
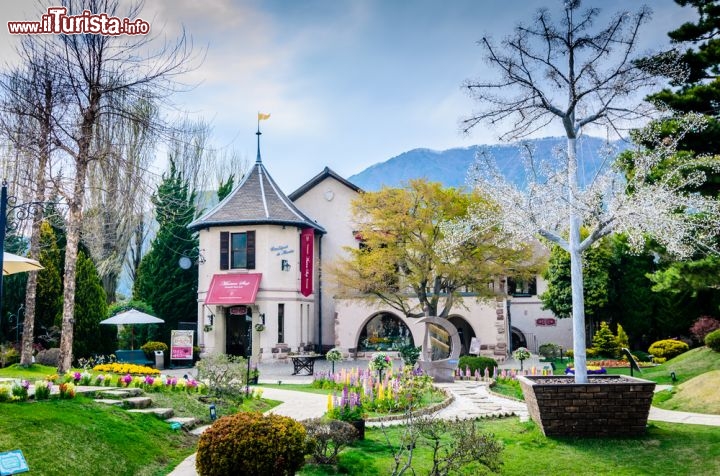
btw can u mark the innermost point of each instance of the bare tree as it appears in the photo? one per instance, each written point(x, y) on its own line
point(31, 97)
point(565, 73)
point(97, 71)
point(117, 189)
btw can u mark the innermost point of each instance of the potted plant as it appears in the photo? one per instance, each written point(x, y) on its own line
point(521, 354)
point(379, 362)
point(334, 355)
point(348, 407)
point(254, 375)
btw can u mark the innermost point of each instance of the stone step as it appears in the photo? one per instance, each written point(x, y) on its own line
point(123, 392)
point(163, 413)
point(108, 401)
point(137, 402)
point(186, 422)
point(200, 430)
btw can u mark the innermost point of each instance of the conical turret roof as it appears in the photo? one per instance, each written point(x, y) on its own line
point(257, 200)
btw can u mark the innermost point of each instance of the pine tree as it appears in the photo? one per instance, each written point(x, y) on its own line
point(161, 282)
point(605, 342)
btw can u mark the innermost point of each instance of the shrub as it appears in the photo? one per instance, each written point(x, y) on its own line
point(668, 348)
point(150, 347)
point(326, 438)
point(604, 342)
point(8, 356)
point(225, 375)
point(703, 326)
point(549, 350)
point(477, 363)
point(569, 353)
point(410, 354)
point(251, 444)
point(712, 340)
point(49, 357)
point(622, 338)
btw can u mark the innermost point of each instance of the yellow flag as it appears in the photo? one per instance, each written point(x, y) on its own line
point(263, 117)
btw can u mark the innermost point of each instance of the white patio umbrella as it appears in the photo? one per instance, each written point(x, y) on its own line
point(18, 264)
point(132, 317)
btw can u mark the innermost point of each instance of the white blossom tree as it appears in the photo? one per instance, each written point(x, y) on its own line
point(565, 73)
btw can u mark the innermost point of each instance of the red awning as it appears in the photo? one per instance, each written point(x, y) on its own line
point(231, 289)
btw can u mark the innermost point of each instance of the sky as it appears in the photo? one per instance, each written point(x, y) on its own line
point(348, 83)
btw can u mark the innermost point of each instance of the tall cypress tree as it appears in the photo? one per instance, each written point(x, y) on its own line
point(90, 308)
point(161, 282)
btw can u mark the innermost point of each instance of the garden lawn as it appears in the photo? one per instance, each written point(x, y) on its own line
point(61, 437)
point(666, 449)
point(699, 395)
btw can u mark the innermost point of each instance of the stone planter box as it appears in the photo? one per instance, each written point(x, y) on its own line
point(609, 405)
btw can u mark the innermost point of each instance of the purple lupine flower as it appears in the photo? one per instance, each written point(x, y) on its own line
point(77, 376)
point(149, 380)
point(25, 384)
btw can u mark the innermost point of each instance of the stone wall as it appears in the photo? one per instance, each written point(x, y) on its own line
point(607, 406)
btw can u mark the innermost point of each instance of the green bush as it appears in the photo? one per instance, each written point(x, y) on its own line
point(668, 348)
point(8, 356)
point(477, 363)
point(150, 347)
point(327, 437)
point(410, 354)
point(712, 340)
point(569, 353)
point(251, 444)
point(605, 343)
point(589, 353)
point(549, 350)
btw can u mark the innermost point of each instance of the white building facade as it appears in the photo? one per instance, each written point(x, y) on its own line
point(264, 289)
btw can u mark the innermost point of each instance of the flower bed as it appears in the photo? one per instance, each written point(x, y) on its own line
point(397, 392)
point(591, 370)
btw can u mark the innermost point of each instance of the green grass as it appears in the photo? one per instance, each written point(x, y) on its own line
point(33, 372)
point(666, 449)
point(60, 437)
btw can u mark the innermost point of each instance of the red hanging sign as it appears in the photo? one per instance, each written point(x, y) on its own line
point(307, 239)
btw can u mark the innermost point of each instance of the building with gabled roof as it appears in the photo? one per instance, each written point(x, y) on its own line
point(264, 285)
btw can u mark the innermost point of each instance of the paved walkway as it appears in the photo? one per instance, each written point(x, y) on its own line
point(471, 400)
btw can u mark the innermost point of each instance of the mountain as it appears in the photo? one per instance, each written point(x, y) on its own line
point(450, 166)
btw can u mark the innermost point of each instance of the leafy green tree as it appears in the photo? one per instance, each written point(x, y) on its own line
point(13, 291)
point(597, 287)
point(90, 308)
point(161, 282)
point(403, 262)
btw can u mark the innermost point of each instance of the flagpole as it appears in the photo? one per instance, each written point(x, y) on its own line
point(258, 160)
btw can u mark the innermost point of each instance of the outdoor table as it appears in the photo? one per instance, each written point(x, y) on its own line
point(303, 362)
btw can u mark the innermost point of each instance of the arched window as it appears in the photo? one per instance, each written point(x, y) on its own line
point(384, 331)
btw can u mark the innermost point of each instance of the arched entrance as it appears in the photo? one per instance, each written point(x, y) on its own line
point(518, 338)
point(384, 331)
point(465, 332)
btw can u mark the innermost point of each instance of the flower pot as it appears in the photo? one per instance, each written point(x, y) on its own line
point(360, 427)
point(608, 405)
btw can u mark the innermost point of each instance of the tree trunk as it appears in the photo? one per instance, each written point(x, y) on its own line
point(28, 338)
point(576, 274)
point(71, 253)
